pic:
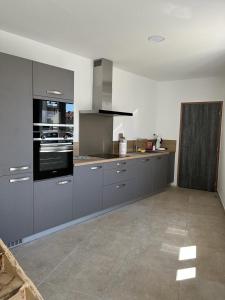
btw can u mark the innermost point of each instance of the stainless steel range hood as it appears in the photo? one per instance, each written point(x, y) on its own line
point(102, 90)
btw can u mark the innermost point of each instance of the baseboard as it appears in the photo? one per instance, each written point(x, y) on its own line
point(223, 202)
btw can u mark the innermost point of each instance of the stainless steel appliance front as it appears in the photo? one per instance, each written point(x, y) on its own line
point(53, 140)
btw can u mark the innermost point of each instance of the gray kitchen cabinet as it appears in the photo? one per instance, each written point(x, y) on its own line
point(16, 207)
point(119, 193)
point(52, 202)
point(119, 171)
point(16, 116)
point(52, 82)
point(145, 176)
point(87, 190)
point(170, 173)
point(160, 171)
point(118, 164)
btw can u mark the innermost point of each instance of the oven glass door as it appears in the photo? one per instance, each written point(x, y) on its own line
point(52, 159)
point(52, 112)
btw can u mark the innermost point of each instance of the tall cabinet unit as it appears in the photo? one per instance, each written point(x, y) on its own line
point(16, 148)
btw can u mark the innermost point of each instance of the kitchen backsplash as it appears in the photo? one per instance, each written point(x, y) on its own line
point(142, 143)
point(131, 144)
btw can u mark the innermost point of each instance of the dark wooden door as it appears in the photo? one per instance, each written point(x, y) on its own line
point(199, 145)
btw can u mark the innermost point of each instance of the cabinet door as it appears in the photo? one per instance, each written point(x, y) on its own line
point(170, 171)
point(16, 124)
point(52, 202)
point(87, 191)
point(16, 207)
point(53, 82)
point(160, 169)
point(145, 177)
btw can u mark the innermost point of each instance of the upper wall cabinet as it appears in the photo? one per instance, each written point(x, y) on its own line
point(52, 82)
point(16, 146)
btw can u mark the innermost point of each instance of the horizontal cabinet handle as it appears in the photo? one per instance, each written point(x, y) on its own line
point(119, 186)
point(121, 171)
point(146, 159)
point(159, 157)
point(63, 182)
point(54, 151)
point(13, 169)
point(121, 163)
point(53, 125)
point(54, 92)
point(96, 168)
point(19, 179)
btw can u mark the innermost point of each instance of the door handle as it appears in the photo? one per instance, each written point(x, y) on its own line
point(54, 92)
point(13, 169)
point(63, 182)
point(19, 179)
point(121, 163)
point(96, 168)
point(146, 159)
point(119, 186)
point(120, 171)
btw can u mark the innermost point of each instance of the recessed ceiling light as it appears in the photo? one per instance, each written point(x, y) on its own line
point(156, 38)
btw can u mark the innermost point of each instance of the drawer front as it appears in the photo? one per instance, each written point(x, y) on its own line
point(119, 164)
point(16, 168)
point(117, 175)
point(118, 193)
point(86, 174)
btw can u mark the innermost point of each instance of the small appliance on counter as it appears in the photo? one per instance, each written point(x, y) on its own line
point(52, 138)
point(122, 146)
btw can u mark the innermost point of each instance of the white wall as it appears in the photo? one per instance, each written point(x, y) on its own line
point(133, 93)
point(169, 98)
point(156, 106)
point(130, 92)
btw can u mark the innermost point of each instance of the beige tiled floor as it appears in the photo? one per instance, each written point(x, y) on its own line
point(133, 253)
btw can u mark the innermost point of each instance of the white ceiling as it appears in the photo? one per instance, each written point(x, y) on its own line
point(118, 30)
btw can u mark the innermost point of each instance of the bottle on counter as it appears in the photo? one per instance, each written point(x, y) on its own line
point(122, 147)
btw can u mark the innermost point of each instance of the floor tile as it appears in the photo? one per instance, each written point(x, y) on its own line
point(135, 252)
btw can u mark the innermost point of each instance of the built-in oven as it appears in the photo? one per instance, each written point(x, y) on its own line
point(53, 140)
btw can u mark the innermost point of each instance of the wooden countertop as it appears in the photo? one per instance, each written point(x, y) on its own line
point(96, 160)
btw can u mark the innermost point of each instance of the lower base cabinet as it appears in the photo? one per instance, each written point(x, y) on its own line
point(87, 190)
point(159, 171)
point(16, 207)
point(144, 177)
point(170, 173)
point(119, 193)
point(53, 202)
point(99, 187)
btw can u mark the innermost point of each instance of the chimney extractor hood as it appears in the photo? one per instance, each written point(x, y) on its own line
point(102, 90)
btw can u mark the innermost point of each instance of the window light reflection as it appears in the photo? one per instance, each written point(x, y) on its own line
point(183, 274)
point(187, 253)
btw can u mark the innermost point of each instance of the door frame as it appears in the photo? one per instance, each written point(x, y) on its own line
point(180, 131)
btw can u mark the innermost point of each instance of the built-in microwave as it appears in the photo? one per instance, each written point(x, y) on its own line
point(53, 112)
point(52, 138)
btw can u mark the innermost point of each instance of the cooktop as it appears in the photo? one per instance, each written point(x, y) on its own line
point(106, 155)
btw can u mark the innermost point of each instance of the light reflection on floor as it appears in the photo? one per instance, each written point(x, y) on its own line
point(187, 253)
point(188, 273)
